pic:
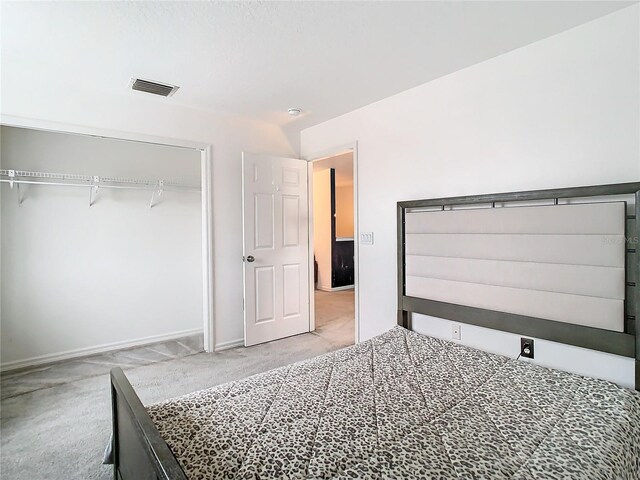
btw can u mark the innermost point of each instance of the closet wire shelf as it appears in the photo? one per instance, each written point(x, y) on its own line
point(93, 182)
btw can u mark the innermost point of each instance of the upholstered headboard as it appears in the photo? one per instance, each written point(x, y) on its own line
point(557, 264)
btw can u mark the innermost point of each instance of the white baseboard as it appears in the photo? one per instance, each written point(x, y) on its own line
point(336, 289)
point(230, 344)
point(86, 351)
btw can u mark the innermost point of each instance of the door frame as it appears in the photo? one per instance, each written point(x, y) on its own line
point(333, 152)
point(206, 186)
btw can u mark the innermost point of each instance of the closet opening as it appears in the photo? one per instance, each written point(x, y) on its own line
point(102, 248)
point(334, 249)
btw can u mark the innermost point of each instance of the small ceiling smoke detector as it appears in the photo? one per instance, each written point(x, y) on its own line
point(294, 112)
point(162, 89)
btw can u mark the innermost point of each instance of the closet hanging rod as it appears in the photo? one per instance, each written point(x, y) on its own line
point(73, 180)
point(101, 185)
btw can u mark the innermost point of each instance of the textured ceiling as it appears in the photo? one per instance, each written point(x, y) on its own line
point(256, 59)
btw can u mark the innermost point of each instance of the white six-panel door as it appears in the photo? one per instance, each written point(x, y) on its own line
point(276, 234)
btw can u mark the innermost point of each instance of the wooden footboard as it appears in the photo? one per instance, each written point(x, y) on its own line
point(139, 451)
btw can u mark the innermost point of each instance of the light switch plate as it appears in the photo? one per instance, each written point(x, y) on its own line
point(366, 238)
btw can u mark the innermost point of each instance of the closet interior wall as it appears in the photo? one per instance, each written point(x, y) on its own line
point(77, 279)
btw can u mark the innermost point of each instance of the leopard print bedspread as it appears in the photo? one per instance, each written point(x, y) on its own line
point(404, 405)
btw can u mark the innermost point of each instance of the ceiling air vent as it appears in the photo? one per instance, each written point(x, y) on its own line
point(153, 87)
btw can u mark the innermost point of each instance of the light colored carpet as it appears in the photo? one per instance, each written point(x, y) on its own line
point(58, 429)
point(336, 310)
point(19, 382)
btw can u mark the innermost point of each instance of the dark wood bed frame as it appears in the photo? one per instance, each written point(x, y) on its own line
point(140, 452)
point(625, 343)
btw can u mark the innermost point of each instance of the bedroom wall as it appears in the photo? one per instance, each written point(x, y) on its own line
point(344, 211)
point(76, 277)
point(560, 112)
point(25, 101)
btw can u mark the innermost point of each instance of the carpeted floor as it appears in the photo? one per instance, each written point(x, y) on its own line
point(336, 310)
point(56, 420)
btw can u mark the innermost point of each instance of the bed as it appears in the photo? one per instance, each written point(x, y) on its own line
point(406, 405)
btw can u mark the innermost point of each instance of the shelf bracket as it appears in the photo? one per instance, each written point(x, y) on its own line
point(19, 194)
point(158, 190)
point(13, 179)
point(93, 189)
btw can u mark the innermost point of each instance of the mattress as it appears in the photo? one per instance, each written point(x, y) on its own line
point(405, 405)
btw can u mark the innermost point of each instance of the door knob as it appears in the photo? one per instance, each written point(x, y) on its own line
point(250, 259)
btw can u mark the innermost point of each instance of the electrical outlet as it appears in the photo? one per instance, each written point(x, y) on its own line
point(526, 347)
point(455, 331)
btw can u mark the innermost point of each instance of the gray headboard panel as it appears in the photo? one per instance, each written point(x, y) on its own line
point(559, 264)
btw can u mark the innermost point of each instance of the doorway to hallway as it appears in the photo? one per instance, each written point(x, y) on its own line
point(334, 247)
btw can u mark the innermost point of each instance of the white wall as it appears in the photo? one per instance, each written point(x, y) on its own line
point(560, 112)
point(76, 277)
point(25, 100)
point(322, 226)
point(344, 211)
